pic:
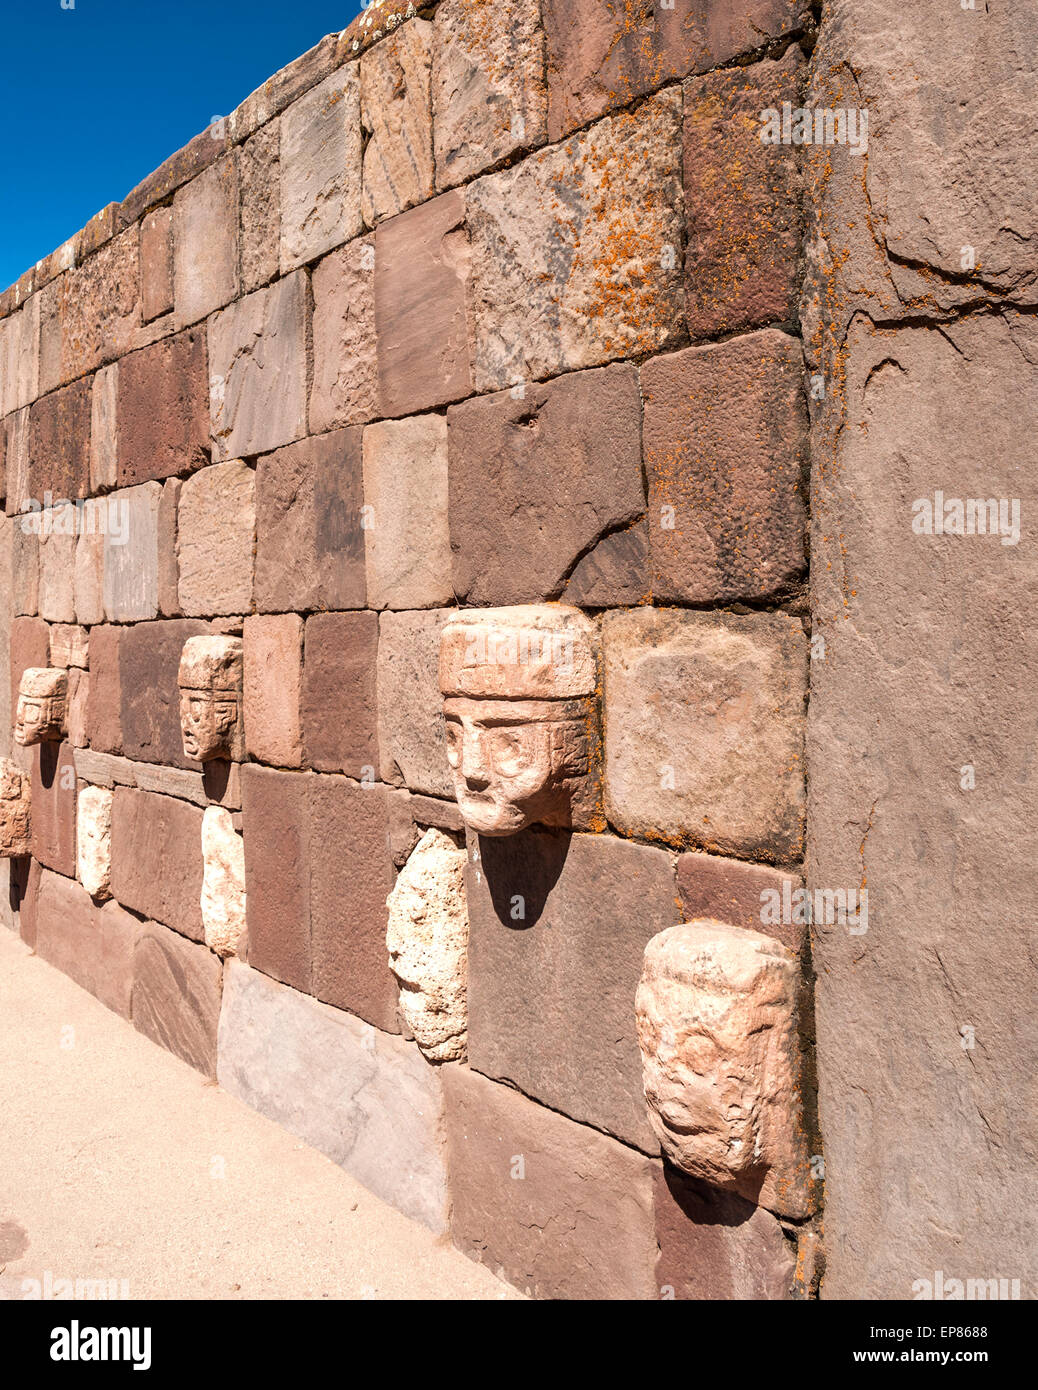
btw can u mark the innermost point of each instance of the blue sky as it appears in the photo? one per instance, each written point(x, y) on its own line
point(96, 96)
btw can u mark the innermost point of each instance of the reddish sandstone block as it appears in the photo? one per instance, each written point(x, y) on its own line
point(30, 646)
point(104, 701)
point(725, 436)
point(59, 443)
point(54, 807)
point(276, 830)
point(421, 266)
point(102, 306)
point(345, 384)
point(339, 707)
point(273, 662)
point(149, 707)
point(396, 115)
point(91, 944)
point(25, 886)
point(157, 263)
point(743, 200)
point(16, 462)
point(157, 858)
point(615, 574)
point(729, 890)
point(177, 988)
point(259, 175)
point(163, 409)
point(216, 538)
point(205, 242)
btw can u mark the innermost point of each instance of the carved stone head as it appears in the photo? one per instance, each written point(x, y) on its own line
point(518, 686)
point(210, 681)
point(15, 804)
point(42, 706)
point(715, 1014)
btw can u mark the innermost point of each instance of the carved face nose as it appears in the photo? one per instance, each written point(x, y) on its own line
point(474, 766)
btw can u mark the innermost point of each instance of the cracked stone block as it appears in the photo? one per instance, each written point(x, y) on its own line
point(59, 444)
point(615, 573)
point(606, 56)
point(57, 552)
point(177, 988)
point(310, 544)
point(421, 274)
point(576, 252)
point(746, 895)
point(535, 478)
point(104, 701)
point(368, 1100)
point(396, 115)
point(54, 807)
point(704, 718)
point(92, 945)
point(551, 984)
point(320, 169)
point(101, 306)
point(743, 200)
point(489, 94)
point(216, 528)
point(15, 811)
point(276, 825)
point(163, 408)
point(205, 242)
point(407, 543)
point(725, 450)
point(68, 645)
point(257, 364)
point(555, 1208)
point(411, 740)
point(339, 701)
point(259, 175)
point(131, 556)
point(273, 688)
point(148, 692)
point(223, 882)
point(94, 840)
point(156, 253)
point(345, 383)
point(104, 405)
point(157, 858)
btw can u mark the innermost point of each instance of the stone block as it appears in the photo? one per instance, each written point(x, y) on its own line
point(163, 408)
point(746, 895)
point(320, 170)
point(103, 769)
point(131, 556)
point(101, 306)
point(57, 560)
point(88, 578)
point(421, 274)
point(104, 702)
point(30, 646)
point(177, 988)
point(559, 925)
point(156, 252)
point(91, 944)
point(16, 470)
point(257, 364)
point(169, 569)
point(54, 807)
point(396, 116)
point(78, 705)
point(310, 545)
point(20, 358)
point(104, 406)
point(276, 831)
point(367, 1100)
point(489, 94)
point(216, 531)
point(615, 573)
point(94, 840)
point(59, 444)
point(345, 383)
point(576, 252)
point(15, 811)
point(205, 242)
point(273, 688)
point(157, 858)
point(149, 706)
point(704, 717)
point(68, 645)
point(536, 480)
point(558, 1210)
point(411, 741)
point(339, 701)
point(406, 537)
point(259, 179)
point(725, 453)
point(223, 882)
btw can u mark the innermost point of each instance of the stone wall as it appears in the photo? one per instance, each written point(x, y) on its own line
point(490, 305)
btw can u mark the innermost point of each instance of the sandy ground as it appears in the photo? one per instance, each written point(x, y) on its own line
point(119, 1162)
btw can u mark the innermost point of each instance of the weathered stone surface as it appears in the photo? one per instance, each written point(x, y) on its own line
point(101, 306)
point(205, 242)
point(94, 840)
point(285, 86)
point(16, 479)
point(742, 894)
point(310, 543)
point(368, 1101)
point(259, 181)
point(157, 858)
point(78, 705)
point(20, 359)
point(559, 926)
point(209, 678)
point(156, 252)
point(276, 831)
point(169, 568)
point(30, 646)
point(320, 168)
point(42, 712)
point(177, 988)
point(27, 886)
point(615, 574)
point(163, 409)
point(59, 443)
point(549, 1205)
point(704, 720)
point(103, 769)
point(223, 882)
point(406, 535)
point(68, 645)
point(257, 364)
point(131, 556)
point(489, 93)
point(149, 704)
point(570, 264)
point(57, 559)
point(411, 741)
point(24, 568)
point(273, 688)
point(94, 945)
point(715, 1245)
point(606, 57)
point(427, 938)
point(88, 578)
point(15, 811)
point(345, 384)
point(339, 703)
point(743, 200)
point(725, 449)
point(216, 530)
point(104, 704)
point(351, 876)
point(104, 407)
point(396, 115)
point(201, 151)
point(534, 479)
point(421, 273)
point(716, 1011)
point(54, 807)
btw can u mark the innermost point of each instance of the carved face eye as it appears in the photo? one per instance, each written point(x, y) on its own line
point(511, 750)
point(454, 737)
